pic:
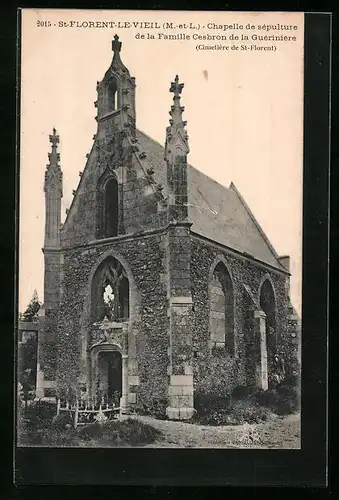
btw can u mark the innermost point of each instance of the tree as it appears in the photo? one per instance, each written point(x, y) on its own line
point(32, 308)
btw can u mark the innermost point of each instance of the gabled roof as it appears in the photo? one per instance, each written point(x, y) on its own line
point(217, 212)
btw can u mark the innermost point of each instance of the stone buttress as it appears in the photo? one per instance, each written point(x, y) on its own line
point(180, 370)
point(53, 267)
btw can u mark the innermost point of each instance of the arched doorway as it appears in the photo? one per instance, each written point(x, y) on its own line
point(109, 375)
point(108, 312)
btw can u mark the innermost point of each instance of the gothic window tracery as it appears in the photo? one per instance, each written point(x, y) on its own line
point(110, 292)
point(221, 310)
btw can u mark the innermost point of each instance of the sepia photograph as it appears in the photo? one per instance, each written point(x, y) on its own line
point(160, 229)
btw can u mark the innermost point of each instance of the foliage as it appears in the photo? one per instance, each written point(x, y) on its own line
point(27, 367)
point(282, 400)
point(247, 405)
point(32, 308)
point(244, 411)
point(236, 413)
point(48, 436)
point(221, 374)
point(60, 432)
point(242, 392)
point(39, 414)
point(62, 421)
point(39, 425)
point(20, 412)
point(130, 432)
point(155, 407)
point(209, 402)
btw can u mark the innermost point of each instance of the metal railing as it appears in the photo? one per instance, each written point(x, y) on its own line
point(86, 412)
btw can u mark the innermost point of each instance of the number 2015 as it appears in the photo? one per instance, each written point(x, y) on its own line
point(45, 24)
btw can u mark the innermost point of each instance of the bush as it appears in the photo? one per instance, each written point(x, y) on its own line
point(246, 404)
point(244, 411)
point(39, 414)
point(241, 392)
point(207, 402)
point(91, 431)
point(239, 412)
point(283, 400)
point(62, 421)
point(130, 432)
point(156, 408)
point(288, 400)
point(292, 380)
point(50, 437)
point(134, 432)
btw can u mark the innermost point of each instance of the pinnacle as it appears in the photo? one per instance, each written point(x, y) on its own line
point(176, 135)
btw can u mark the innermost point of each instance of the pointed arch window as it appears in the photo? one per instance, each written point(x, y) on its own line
point(267, 304)
point(110, 292)
point(111, 204)
point(221, 310)
point(112, 96)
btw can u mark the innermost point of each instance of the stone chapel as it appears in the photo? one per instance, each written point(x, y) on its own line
point(159, 274)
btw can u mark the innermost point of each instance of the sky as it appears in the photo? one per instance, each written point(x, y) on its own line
point(244, 112)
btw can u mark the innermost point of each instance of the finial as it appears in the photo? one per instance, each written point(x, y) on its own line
point(116, 45)
point(54, 138)
point(116, 65)
point(54, 156)
point(176, 87)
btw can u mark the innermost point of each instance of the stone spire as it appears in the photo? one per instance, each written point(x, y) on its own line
point(176, 151)
point(53, 194)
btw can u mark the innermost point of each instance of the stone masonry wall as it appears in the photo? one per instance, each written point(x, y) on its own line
point(180, 328)
point(243, 271)
point(148, 342)
point(47, 339)
point(141, 206)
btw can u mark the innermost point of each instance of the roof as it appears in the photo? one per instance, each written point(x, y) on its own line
point(217, 212)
